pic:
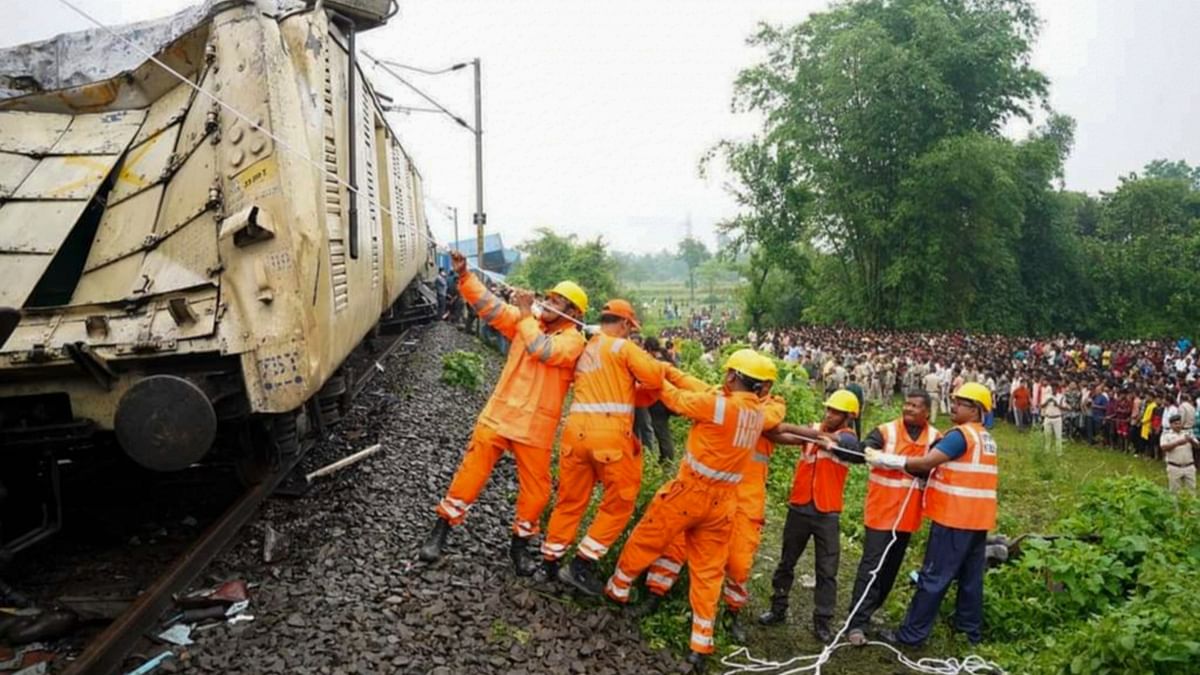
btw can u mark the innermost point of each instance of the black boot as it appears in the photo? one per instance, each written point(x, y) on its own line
point(431, 550)
point(776, 615)
point(698, 662)
point(581, 574)
point(821, 631)
point(546, 572)
point(647, 608)
point(737, 629)
point(524, 564)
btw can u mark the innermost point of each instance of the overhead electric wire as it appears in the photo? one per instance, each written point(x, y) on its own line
point(384, 67)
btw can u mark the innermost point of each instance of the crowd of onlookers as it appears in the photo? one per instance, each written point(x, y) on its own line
point(1120, 393)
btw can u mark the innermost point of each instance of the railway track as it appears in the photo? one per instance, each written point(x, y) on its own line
point(107, 652)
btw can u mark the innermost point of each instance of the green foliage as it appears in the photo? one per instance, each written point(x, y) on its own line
point(693, 253)
point(463, 369)
point(882, 191)
point(551, 258)
point(1124, 603)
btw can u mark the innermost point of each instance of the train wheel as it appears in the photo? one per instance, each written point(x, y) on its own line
point(266, 442)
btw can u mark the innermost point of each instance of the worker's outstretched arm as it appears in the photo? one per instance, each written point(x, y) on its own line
point(695, 405)
point(684, 381)
point(649, 371)
point(494, 311)
point(560, 349)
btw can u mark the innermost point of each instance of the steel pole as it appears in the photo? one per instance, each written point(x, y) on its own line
point(480, 216)
point(455, 210)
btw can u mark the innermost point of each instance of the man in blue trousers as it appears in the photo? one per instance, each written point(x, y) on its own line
point(960, 499)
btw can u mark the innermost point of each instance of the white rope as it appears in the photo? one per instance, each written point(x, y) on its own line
point(973, 664)
point(287, 147)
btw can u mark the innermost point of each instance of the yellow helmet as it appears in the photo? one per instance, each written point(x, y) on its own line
point(750, 363)
point(769, 368)
point(843, 400)
point(973, 391)
point(571, 291)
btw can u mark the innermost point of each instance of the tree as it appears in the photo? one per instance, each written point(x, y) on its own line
point(692, 252)
point(771, 228)
point(1177, 170)
point(551, 258)
point(1146, 258)
point(860, 100)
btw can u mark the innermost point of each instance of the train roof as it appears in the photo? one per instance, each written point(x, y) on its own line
point(81, 57)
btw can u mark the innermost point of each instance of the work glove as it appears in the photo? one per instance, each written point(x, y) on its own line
point(885, 460)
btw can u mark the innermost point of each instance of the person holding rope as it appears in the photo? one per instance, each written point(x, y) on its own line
point(700, 502)
point(960, 499)
point(815, 508)
point(748, 521)
point(599, 446)
point(889, 507)
point(523, 412)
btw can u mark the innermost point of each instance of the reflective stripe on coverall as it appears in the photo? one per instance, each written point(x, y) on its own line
point(598, 445)
point(699, 502)
point(747, 523)
point(522, 413)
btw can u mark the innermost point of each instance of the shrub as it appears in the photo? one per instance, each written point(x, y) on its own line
point(462, 369)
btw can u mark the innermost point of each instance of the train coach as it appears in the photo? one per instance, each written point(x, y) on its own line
point(201, 219)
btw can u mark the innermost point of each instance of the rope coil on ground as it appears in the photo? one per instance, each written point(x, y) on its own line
point(972, 664)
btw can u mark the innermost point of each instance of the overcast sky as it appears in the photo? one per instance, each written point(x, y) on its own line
point(596, 113)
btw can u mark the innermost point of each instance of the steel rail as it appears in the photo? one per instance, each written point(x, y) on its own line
point(106, 653)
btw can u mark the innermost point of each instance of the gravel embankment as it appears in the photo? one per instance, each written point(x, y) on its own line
point(350, 597)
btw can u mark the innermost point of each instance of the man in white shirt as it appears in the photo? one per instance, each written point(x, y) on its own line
point(1178, 446)
point(1052, 417)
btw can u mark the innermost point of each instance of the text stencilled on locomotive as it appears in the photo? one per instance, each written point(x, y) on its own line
point(257, 174)
point(280, 370)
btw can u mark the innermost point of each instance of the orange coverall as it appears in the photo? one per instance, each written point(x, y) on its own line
point(598, 445)
point(698, 503)
point(522, 414)
point(747, 523)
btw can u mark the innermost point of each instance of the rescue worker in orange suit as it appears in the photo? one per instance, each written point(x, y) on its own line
point(815, 507)
point(960, 499)
point(598, 445)
point(888, 491)
point(747, 532)
point(523, 412)
point(701, 500)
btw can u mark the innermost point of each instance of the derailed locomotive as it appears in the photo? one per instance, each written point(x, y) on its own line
point(195, 254)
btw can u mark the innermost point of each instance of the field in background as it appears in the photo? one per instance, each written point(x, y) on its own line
point(649, 296)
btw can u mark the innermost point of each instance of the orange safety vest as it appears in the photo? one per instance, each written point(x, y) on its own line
point(526, 404)
point(601, 412)
point(887, 488)
point(962, 493)
point(820, 477)
point(752, 491)
point(725, 431)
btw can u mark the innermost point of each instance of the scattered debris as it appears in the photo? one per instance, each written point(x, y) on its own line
point(224, 595)
point(17, 659)
point(152, 664)
point(39, 668)
point(343, 463)
point(274, 548)
point(23, 626)
point(808, 581)
point(180, 634)
point(95, 608)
